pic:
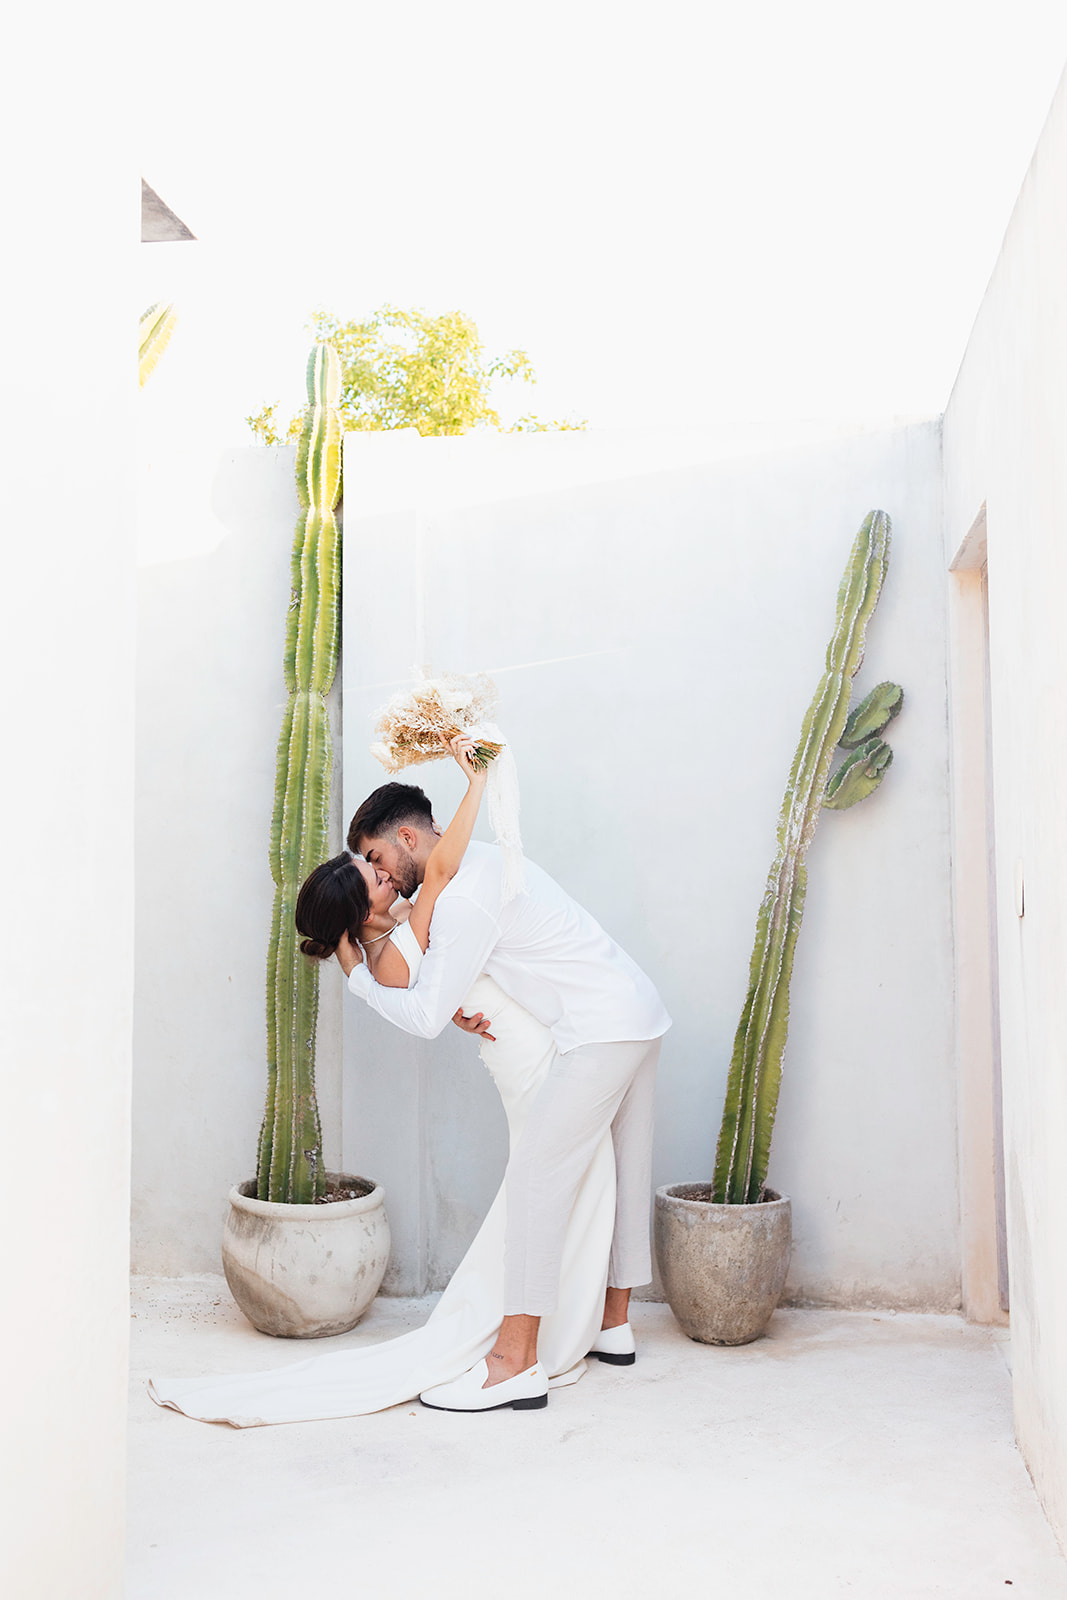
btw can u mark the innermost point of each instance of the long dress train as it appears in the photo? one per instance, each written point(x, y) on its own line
point(463, 1325)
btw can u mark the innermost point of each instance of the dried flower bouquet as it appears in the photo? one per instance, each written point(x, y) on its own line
point(417, 724)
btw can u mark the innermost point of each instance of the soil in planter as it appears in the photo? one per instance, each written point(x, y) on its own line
point(707, 1193)
point(354, 1193)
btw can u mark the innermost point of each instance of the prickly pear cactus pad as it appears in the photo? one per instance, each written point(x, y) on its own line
point(858, 775)
point(873, 713)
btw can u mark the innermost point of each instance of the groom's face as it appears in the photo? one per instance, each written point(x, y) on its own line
point(396, 858)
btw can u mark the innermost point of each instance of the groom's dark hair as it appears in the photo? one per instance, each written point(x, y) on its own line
point(393, 806)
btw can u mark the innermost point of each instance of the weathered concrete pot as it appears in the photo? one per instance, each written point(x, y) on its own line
point(305, 1272)
point(723, 1267)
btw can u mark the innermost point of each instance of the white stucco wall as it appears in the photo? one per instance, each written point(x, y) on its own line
point(1003, 436)
point(657, 629)
point(710, 582)
point(66, 802)
point(215, 534)
point(693, 600)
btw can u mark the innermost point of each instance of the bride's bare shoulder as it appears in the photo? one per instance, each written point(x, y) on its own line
point(390, 969)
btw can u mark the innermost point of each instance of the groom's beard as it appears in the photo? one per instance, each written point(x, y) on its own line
point(405, 879)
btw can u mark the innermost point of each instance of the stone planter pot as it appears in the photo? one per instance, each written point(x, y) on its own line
point(305, 1272)
point(723, 1267)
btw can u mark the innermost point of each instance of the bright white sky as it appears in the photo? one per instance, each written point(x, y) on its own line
point(684, 211)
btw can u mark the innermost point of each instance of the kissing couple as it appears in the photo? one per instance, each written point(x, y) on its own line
point(428, 931)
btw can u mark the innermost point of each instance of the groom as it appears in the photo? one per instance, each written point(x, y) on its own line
point(607, 1020)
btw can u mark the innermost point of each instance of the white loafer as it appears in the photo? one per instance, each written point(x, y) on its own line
point(527, 1391)
point(615, 1346)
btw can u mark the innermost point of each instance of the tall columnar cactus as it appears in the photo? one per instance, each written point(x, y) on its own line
point(290, 1145)
point(157, 325)
point(756, 1063)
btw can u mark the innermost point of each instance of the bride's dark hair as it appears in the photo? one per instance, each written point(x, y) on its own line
point(332, 900)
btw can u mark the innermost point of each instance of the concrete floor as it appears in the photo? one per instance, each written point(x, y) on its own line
point(848, 1453)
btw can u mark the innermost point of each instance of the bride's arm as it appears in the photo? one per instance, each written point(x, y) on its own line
point(390, 969)
point(446, 856)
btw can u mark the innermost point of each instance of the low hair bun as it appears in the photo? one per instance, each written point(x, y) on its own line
point(333, 901)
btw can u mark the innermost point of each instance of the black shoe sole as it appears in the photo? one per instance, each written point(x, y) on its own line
point(535, 1402)
point(613, 1360)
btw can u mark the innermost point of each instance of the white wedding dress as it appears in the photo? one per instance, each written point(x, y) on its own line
point(463, 1325)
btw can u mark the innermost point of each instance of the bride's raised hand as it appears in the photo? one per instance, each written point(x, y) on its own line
point(463, 750)
point(446, 857)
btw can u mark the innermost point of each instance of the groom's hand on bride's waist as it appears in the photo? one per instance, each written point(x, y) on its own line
point(479, 1023)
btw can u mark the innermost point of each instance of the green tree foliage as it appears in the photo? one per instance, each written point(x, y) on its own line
point(406, 369)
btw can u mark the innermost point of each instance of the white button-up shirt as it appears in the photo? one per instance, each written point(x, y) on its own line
point(542, 949)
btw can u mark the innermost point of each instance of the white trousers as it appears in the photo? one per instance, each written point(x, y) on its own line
point(587, 1091)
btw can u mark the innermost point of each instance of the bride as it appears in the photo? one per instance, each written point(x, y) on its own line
point(348, 899)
